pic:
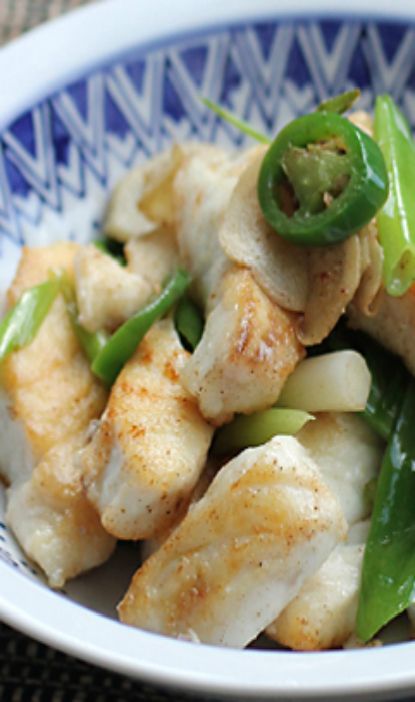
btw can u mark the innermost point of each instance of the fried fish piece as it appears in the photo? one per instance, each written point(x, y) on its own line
point(37, 263)
point(392, 324)
point(151, 444)
point(142, 200)
point(107, 294)
point(154, 257)
point(49, 396)
point(53, 520)
point(248, 349)
point(48, 385)
point(249, 345)
point(323, 615)
point(349, 454)
point(202, 190)
point(266, 523)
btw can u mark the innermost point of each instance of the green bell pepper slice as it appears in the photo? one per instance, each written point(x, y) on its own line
point(123, 343)
point(388, 574)
point(321, 180)
point(21, 324)
point(396, 221)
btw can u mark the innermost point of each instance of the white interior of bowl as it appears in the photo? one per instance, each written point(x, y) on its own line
point(73, 621)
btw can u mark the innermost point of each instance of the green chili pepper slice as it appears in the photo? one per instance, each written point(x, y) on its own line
point(321, 180)
point(21, 324)
point(258, 428)
point(122, 344)
point(388, 575)
point(396, 221)
point(189, 323)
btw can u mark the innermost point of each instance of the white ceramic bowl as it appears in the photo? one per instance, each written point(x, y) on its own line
point(80, 101)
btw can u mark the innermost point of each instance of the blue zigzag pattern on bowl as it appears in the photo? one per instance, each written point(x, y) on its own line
point(72, 147)
point(60, 159)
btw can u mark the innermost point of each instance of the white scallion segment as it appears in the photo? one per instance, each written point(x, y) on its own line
point(334, 382)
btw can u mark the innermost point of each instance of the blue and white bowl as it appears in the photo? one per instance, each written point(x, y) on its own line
point(81, 101)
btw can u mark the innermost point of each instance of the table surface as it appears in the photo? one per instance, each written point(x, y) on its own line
point(30, 671)
point(17, 16)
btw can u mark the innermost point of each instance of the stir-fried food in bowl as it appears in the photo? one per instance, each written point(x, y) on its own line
point(226, 375)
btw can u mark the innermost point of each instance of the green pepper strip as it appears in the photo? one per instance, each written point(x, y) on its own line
point(21, 324)
point(340, 103)
point(258, 428)
point(396, 221)
point(365, 189)
point(189, 323)
point(112, 248)
point(122, 344)
point(388, 575)
point(91, 342)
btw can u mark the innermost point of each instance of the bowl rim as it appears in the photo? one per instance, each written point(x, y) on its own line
point(54, 619)
point(24, 84)
point(51, 617)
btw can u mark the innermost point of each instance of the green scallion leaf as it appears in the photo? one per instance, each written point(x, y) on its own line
point(21, 324)
point(123, 343)
point(258, 428)
point(243, 127)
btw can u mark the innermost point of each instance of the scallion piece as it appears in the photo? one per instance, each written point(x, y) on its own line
point(389, 377)
point(388, 574)
point(396, 220)
point(122, 344)
point(21, 324)
point(91, 342)
point(239, 124)
point(258, 428)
